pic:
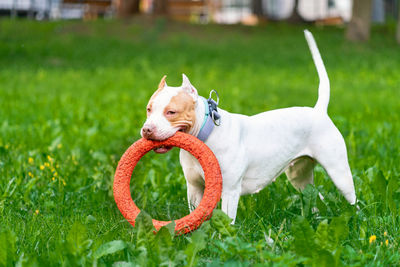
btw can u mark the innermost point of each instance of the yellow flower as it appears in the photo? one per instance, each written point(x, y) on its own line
point(385, 233)
point(7, 146)
point(41, 167)
point(64, 183)
point(30, 160)
point(372, 238)
point(46, 164)
point(387, 242)
point(49, 158)
point(53, 178)
point(55, 174)
point(30, 174)
point(53, 170)
point(36, 212)
point(59, 146)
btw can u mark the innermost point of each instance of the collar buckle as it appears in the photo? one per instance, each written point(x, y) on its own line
point(213, 107)
point(211, 117)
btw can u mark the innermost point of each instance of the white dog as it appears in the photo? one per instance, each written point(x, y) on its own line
point(252, 150)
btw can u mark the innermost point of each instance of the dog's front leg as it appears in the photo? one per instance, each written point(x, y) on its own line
point(194, 178)
point(230, 200)
point(232, 175)
point(194, 195)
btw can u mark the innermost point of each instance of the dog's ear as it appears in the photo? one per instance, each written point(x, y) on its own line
point(188, 87)
point(162, 83)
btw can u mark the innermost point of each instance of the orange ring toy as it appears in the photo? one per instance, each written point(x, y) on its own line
point(206, 158)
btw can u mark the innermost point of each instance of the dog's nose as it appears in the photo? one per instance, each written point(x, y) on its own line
point(147, 131)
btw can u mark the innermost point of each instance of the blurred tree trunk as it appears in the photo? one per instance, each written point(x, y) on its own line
point(398, 26)
point(126, 8)
point(256, 7)
point(295, 17)
point(160, 7)
point(359, 26)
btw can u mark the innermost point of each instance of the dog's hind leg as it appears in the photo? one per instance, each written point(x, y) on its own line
point(330, 151)
point(300, 172)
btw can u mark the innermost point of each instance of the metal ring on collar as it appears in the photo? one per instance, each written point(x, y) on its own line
point(216, 93)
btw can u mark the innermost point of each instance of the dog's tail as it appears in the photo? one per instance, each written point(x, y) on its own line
point(324, 88)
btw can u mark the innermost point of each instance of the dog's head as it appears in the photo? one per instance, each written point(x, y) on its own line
point(170, 109)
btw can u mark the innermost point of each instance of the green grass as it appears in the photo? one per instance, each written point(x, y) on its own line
point(73, 98)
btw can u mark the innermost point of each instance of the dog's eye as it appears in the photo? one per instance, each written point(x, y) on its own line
point(171, 112)
point(149, 110)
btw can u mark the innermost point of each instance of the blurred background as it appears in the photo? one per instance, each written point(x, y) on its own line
point(248, 12)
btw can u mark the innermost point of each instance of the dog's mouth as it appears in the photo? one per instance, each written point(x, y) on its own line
point(183, 129)
point(162, 149)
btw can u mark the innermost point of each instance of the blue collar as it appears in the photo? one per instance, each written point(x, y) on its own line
point(211, 118)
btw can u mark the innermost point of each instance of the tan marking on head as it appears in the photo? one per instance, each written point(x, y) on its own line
point(161, 86)
point(184, 106)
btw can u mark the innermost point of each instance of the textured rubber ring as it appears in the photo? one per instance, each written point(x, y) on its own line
point(206, 158)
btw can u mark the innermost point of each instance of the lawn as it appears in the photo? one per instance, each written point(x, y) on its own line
point(73, 97)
